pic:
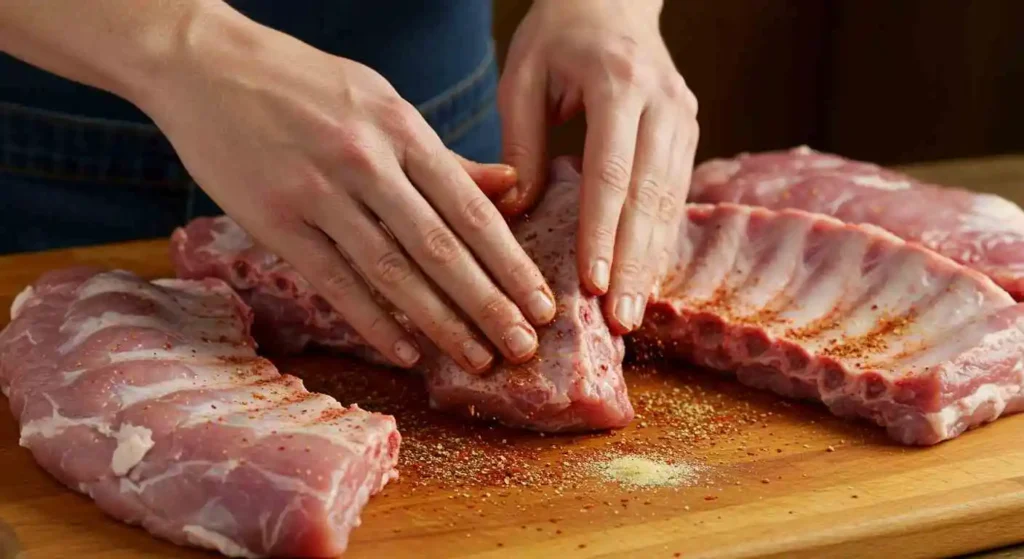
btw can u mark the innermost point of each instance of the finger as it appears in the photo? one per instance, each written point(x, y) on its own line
point(607, 166)
point(680, 174)
point(477, 221)
point(443, 257)
point(390, 272)
point(317, 258)
point(494, 179)
point(522, 103)
point(666, 231)
point(649, 204)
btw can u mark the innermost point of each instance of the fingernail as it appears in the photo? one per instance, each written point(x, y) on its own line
point(476, 354)
point(541, 307)
point(511, 196)
point(599, 274)
point(520, 341)
point(624, 312)
point(406, 352)
point(639, 308)
point(506, 170)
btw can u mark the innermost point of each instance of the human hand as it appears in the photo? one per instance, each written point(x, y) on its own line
point(325, 165)
point(606, 57)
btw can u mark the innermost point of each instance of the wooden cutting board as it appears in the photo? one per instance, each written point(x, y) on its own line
point(773, 478)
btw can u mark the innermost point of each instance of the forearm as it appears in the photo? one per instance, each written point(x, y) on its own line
point(120, 46)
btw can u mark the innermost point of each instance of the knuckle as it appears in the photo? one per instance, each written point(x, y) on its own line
point(315, 184)
point(354, 152)
point(525, 274)
point(668, 207)
point(380, 326)
point(517, 151)
point(400, 118)
point(392, 268)
point(441, 245)
point(645, 197)
point(631, 269)
point(342, 284)
point(432, 159)
point(479, 213)
point(604, 237)
point(451, 330)
point(674, 88)
point(495, 309)
point(690, 99)
point(624, 61)
point(615, 174)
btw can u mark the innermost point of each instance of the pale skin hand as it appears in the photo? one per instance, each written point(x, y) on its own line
point(607, 58)
point(319, 159)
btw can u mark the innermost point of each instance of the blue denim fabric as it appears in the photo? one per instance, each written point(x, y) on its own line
point(80, 167)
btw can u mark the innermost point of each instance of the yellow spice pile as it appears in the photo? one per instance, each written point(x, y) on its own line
point(635, 470)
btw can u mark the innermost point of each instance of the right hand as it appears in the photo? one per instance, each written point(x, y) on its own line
point(324, 164)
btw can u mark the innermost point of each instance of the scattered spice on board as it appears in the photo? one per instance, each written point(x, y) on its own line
point(442, 451)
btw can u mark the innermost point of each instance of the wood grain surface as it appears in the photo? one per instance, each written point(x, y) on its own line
point(777, 478)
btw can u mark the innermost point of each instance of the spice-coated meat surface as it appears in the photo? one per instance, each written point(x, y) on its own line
point(983, 231)
point(575, 382)
point(812, 307)
point(149, 398)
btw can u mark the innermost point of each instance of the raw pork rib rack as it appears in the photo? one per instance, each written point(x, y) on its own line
point(982, 231)
point(796, 302)
point(872, 326)
point(149, 398)
point(574, 384)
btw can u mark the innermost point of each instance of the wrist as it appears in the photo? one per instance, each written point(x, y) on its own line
point(192, 46)
point(646, 9)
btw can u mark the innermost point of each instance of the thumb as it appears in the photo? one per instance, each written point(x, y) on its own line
point(522, 102)
point(494, 179)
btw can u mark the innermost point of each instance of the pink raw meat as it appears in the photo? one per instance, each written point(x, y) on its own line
point(872, 326)
point(289, 316)
point(574, 384)
point(983, 231)
point(150, 399)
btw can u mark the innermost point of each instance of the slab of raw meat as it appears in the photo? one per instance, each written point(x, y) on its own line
point(983, 231)
point(289, 316)
point(811, 307)
point(574, 384)
point(150, 399)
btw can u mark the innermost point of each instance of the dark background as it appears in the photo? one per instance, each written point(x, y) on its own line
point(891, 81)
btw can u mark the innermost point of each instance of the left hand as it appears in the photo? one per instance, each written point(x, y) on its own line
point(606, 57)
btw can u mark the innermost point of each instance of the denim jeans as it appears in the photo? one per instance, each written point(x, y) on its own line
point(68, 179)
